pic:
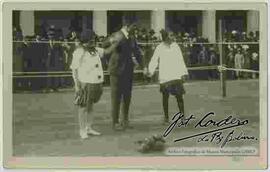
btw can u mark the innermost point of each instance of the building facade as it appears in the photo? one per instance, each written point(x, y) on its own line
point(202, 23)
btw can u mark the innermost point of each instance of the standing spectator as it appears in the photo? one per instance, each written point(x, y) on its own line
point(54, 60)
point(254, 63)
point(67, 53)
point(27, 60)
point(17, 34)
point(193, 54)
point(252, 37)
point(230, 63)
point(257, 36)
point(59, 34)
point(152, 35)
point(246, 61)
point(17, 63)
point(38, 57)
point(202, 60)
point(203, 56)
point(236, 36)
point(186, 53)
point(244, 37)
point(239, 62)
point(43, 30)
point(212, 60)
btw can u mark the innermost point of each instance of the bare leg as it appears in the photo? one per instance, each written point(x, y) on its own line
point(180, 103)
point(165, 102)
point(90, 118)
point(90, 115)
point(83, 122)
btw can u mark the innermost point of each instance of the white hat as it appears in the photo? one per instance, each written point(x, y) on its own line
point(254, 54)
point(245, 47)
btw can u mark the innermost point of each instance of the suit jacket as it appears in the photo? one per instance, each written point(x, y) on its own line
point(120, 51)
point(55, 58)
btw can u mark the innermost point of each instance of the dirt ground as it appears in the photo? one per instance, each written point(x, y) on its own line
point(46, 124)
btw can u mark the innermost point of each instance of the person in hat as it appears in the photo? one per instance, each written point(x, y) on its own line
point(123, 52)
point(202, 56)
point(172, 69)
point(152, 35)
point(212, 60)
point(88, 78)
point(54, 61)
point(254, 64)
point(244, 37)
point(235, 35)
point(247, 58)
point(251, 36)
point(230, 62)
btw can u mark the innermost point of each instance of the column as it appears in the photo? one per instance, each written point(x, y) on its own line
point(100, 22)
point(158, 20)
point(253, 21)
point(85, 29)
point(209, 25)
point(27, 23)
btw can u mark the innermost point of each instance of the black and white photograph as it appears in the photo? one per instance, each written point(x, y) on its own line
point(137, 82)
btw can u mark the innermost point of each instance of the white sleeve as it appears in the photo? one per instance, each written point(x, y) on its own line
point(154, 61)
point(77, 54)
point(242, 59)
point(181, 58)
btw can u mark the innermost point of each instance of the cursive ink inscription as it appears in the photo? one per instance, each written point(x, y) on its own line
point(179, 120)
point(215, 135)
point(206, 122)
point(223, 139)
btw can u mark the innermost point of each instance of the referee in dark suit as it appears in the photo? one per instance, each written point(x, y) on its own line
point(124, 54)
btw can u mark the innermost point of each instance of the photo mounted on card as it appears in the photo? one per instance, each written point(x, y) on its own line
point(138, 85)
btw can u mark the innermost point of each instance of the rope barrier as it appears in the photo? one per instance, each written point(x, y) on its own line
point(105, 72)
point(243, 70)
point(145, 43)
point(69, 73)
point(204, 43)
point(56, 72)
point(223, 68)
point(42, 76)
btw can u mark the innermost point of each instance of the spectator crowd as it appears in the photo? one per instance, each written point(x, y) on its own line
point(50, 51)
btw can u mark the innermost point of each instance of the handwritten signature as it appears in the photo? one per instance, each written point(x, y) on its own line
point(216, 135)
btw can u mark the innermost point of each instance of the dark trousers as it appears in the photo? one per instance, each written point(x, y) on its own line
point(121, 87)
point(52, 82)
